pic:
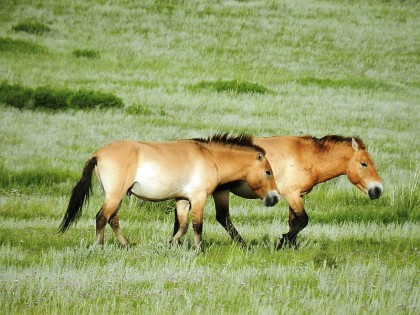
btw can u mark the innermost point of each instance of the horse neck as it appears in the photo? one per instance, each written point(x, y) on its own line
point(332, 161)
point(232, 165)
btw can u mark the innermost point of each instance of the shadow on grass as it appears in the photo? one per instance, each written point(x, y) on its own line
point(31, 27)
point(234, 86)
point(18, 96)
point(20, 46)
point(86, 53)
point(354, 83)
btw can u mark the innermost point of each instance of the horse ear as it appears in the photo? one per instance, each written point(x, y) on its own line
point(354, 144)
point(260, 156)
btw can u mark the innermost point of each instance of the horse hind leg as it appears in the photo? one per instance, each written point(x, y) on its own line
point(181, 220)
point(105, 215)
point(114, 222)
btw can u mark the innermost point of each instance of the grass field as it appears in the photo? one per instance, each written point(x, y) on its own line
point(181, 69)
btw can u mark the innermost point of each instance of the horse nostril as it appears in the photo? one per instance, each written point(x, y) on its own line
point(375, 192)
point(274, 200)
point(271, 199)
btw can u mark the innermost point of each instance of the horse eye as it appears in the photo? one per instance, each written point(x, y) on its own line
point(364, 164)
point(268, 172)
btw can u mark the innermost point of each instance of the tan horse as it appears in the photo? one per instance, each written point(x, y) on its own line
point(185, 170)
point(300, 163)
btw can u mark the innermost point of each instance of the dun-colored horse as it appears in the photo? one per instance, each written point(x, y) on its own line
point(184, 170)
point(300, 163)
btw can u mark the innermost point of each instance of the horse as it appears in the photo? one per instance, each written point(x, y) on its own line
point(300, 163)
point(185, 170)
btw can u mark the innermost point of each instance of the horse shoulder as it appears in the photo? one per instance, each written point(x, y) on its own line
point(293, 166)
point(201, 168)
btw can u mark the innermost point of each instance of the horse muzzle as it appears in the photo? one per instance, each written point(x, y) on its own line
point(375, 190)
point(271, 198)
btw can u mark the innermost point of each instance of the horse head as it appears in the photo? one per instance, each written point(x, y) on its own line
point(362, 173)
point(261, 180)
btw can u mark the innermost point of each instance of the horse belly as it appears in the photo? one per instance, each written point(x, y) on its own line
point(152, 192)
point(157, 182)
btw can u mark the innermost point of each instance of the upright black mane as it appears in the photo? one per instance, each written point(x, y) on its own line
point(244, 141)
point(335, 139)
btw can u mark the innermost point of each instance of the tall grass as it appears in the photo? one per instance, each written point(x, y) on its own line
point(190, 69)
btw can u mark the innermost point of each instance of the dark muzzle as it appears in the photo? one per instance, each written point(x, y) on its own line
point(271, 198)
point(375, 191)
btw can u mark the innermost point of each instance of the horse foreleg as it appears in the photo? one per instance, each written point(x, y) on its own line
point(221, 201)
point(298, 220)
point(181, 220)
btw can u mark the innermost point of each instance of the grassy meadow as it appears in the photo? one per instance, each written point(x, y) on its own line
point(75, 75)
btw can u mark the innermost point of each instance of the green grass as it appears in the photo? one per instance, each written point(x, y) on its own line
point(355, 83)
point(31, 27)
point(234, 86)
point(51, 99)
point(10, 45)
point(87, 53)
point(190, 69)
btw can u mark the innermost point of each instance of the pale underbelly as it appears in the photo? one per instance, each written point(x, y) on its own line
point(154, 192)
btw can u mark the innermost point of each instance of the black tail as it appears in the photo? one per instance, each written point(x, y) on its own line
point(79, 195)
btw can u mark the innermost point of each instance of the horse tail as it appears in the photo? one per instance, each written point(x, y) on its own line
point(79, 196)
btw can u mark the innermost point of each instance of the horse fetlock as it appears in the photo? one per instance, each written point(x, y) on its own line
point(100, 238)
point(198, 244)
point(281, 242)
point(174, 241)
point(238, 239)
point(123, 241)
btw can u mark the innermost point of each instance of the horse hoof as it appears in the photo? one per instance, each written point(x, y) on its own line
point(280, 244)
point(286, 242)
